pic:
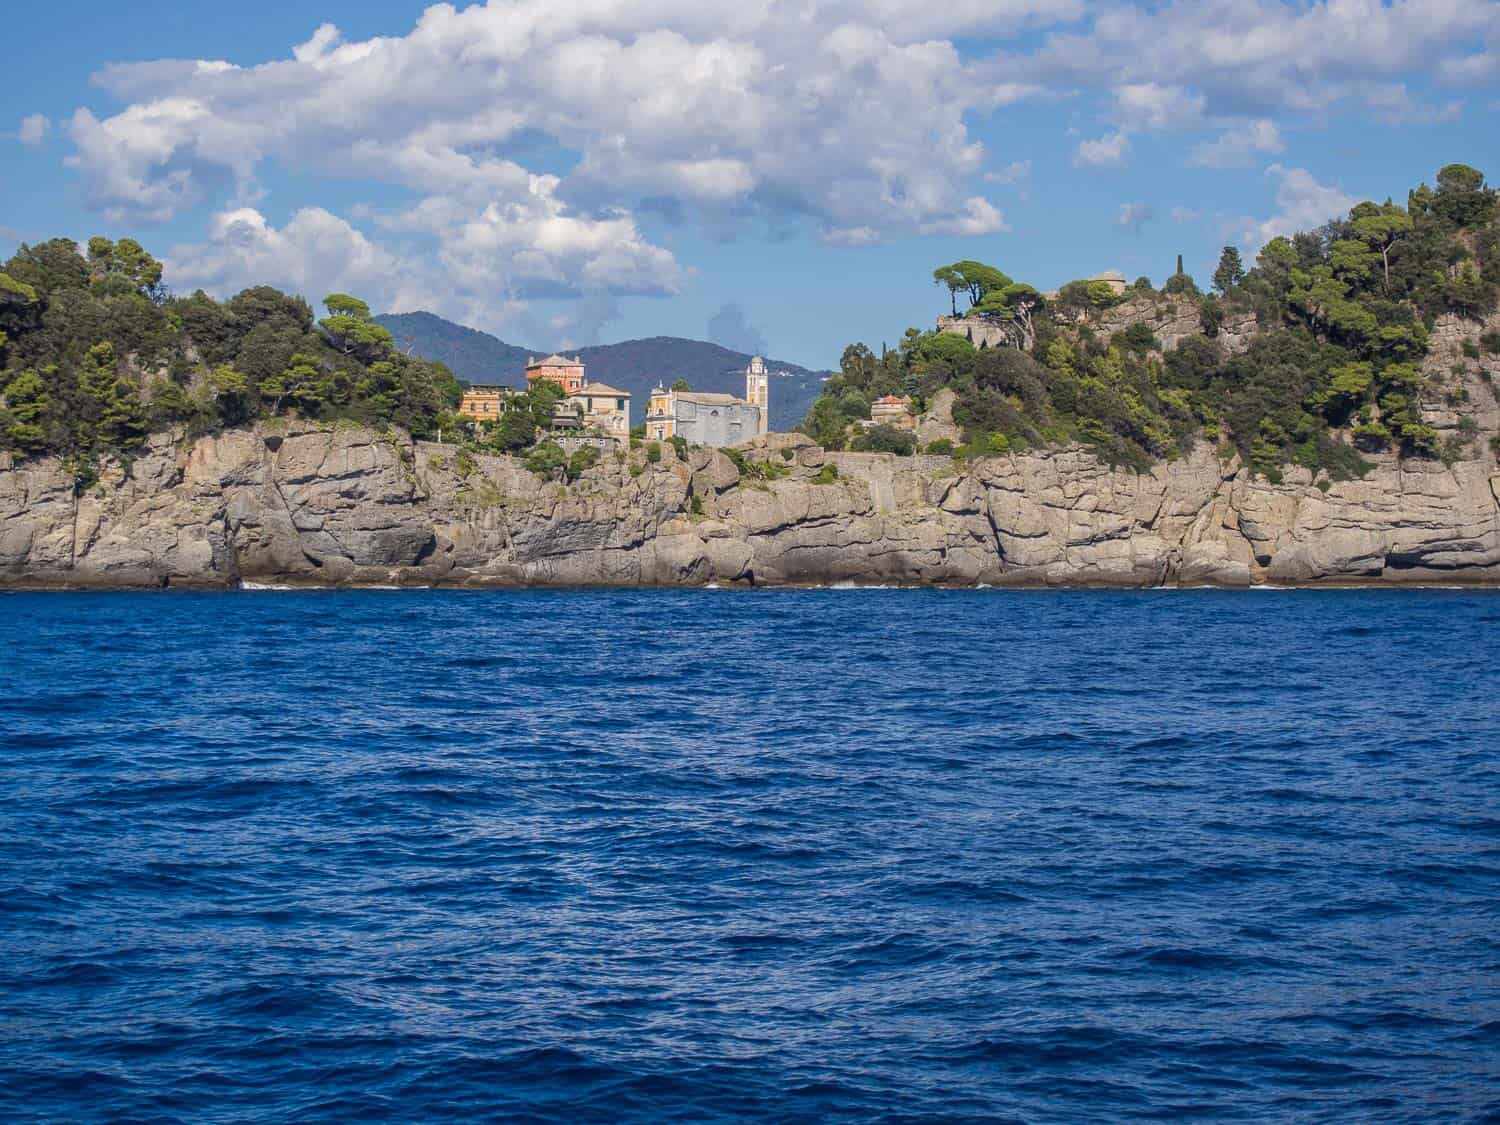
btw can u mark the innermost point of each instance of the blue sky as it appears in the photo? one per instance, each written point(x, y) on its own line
point(782, 174)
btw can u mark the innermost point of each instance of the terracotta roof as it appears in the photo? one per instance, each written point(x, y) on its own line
point(894, 399)
point(555, 361)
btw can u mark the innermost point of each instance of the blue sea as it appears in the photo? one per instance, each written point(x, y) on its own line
point(801, 856)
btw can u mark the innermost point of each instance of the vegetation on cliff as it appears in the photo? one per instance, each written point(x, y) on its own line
point(1341, 318)
point(95, 353)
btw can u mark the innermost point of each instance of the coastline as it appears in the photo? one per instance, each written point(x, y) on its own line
point(321, 507)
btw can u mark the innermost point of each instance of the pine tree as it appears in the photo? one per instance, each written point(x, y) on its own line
point(1231, 270)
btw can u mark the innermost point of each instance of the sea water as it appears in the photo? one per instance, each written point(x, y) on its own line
point(869, 855)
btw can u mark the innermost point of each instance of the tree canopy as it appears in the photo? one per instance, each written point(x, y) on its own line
point(95, 353)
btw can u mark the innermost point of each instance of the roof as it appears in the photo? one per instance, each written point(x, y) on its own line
point(555, 360)
point(894, 400)
point(487, 389)
point(601, 390)
point(708, 398)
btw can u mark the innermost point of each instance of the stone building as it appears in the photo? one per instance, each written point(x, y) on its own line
point(566, 373)
point(709, 418)
point(484, 403)
point(893, 410)
point(701, 417)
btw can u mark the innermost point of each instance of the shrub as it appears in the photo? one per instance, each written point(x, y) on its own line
point(545, 459)
point(942, 447)
point(1490, 342)
point(786, 454)
point(1470, 349)
point(653, 451)
point(695, 505)
point(582, 460)
point(887, 439)
point(827, 474)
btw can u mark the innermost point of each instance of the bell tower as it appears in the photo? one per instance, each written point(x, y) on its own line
point(758, 390)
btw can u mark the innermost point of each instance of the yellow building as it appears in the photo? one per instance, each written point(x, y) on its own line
point(484, 404)
point(566, 373)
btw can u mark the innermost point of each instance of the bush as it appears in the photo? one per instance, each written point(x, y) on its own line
point(1490, 342)
point(545, 459)
point(653, 451)
point(942, 447)
point(582, 460)
point(1470, 349)
point(827, 474)
point(887, 439)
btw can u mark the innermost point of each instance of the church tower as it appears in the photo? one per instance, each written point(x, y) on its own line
point(758, 390)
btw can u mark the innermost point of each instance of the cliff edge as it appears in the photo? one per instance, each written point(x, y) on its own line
point(334, 505)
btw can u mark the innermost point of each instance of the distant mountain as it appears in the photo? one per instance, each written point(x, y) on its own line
point(634, 365)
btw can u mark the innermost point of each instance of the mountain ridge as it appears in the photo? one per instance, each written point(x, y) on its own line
point(632, 365)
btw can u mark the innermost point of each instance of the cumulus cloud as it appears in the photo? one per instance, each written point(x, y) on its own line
point(1149, 105)
point(33, 129)
point(1110, 151)
point(316, 252)
point(851, 117)
point(1134, 216)
point(1184, 215)
point(730, 328)
point(1303, 204)
point(1237, 146)
point(1250, 58)
point(736, 109)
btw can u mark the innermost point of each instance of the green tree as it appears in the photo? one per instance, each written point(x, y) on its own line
point(349, 327)
point(1230, 271)
point(974, 278)
point(680, 385)
point(26, 401)
point(1462, 197)
point(1381, 227)
point(231, 394)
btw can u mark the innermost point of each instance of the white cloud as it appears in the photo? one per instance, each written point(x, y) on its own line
point(33, 129)
point(1237, 146)
point(1250, 58)
point(315, 253)
point(1013, 173)
point(1303, 204)
point(1395, 105)
point(1184, 215)
point(1148, 105)
point(848, 116)
point(1109, 151)
point(1134, 216)
point(978, 216)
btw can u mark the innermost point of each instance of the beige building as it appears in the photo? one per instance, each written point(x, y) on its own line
point(566, 373)
point(893, 410)
point(603, 408)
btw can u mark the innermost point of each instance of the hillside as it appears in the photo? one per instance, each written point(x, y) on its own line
point(633, 365)
point(1368, 336)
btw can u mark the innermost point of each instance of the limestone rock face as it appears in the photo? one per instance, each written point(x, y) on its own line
point(306, 503)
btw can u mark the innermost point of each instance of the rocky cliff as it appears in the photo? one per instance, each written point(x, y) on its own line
point(327, 505)
point(308, 503)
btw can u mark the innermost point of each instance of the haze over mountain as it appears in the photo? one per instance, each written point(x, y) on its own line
point(632, 365)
